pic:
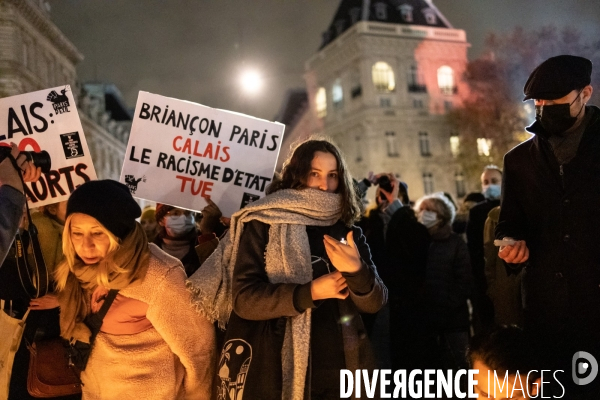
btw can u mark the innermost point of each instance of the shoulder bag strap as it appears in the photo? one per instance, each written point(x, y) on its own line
point(40, 282)
point(94, 321)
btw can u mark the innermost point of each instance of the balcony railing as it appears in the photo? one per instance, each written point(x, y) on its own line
point(414, 88)
point(449, 90)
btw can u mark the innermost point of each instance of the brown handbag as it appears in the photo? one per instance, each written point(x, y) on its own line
point(53, 363)
point(50, 372)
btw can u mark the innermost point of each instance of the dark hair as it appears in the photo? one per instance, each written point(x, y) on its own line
point(506, 348)
point(477, 197)
point(296, 168)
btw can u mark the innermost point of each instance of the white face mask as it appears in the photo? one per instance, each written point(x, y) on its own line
point(179, 225)
point(428, 218)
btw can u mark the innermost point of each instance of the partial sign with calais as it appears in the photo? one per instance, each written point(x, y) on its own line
point(180, 152)
point(48, 120)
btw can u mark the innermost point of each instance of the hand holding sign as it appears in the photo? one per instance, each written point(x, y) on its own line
point(47, 120)
point(192, 152)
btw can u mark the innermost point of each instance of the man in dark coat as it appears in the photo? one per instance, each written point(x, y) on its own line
point(491, 178)
point(550, 200)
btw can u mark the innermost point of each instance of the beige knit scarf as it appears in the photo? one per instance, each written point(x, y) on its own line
point(287, 260)
point(131, 259)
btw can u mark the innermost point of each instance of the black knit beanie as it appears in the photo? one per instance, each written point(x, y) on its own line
point(110, 202)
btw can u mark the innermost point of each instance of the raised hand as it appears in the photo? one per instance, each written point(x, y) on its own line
point(343, 256)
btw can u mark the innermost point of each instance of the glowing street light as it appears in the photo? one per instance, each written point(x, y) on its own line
point(251, 82)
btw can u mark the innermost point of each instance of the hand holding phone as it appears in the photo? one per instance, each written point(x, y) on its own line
point(504, 242)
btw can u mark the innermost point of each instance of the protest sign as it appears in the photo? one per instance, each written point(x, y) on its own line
point(180, 152)
point(48, 120)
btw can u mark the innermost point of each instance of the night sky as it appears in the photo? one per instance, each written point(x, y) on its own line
point(196, 49)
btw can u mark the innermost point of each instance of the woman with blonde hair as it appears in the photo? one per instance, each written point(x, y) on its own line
point(150, 345)
point(290, 280)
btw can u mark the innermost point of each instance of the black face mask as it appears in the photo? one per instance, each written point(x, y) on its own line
point(556, 118)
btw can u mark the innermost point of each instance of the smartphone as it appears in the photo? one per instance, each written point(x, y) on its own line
point(505, 242)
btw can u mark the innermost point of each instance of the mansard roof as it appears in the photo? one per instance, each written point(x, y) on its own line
point(405, 12)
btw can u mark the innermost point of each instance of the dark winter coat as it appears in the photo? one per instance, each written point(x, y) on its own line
point(448, 283)
point(256, 299)
point(477, 216)
point(555, 209)
point(191, 261)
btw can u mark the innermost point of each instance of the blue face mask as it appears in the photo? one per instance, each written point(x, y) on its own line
point(492, 192)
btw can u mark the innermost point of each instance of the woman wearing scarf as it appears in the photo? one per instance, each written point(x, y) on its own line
point(151, 345)
point(290, 279)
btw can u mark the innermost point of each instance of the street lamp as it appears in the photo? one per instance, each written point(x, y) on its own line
point(251, 81)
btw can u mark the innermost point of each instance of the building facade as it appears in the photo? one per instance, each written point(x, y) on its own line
point(35, 55)
point(380, 86)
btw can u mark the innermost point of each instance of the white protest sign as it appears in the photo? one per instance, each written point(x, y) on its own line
point(48, 120)
point(180, 152)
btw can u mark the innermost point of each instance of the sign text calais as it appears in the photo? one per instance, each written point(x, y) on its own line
point(180, 152)
point(48, 120)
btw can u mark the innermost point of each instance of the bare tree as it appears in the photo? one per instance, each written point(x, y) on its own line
point(494, 109)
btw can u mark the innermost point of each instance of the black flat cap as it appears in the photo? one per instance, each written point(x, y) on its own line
point(110, 202)
point(558, 76)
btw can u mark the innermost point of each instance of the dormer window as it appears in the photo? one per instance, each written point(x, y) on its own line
point(381, 11)
point(354, 14)
point(430, 16)
point(406, 11)
point(339, 26)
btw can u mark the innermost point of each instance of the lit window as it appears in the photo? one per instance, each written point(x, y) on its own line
point(337, 94)
point(407, 12)
point(383, 77)
point(430, 16)
point(446, 80)
point(428, 182)
point(454, 145)
point(321, 102)
point(459, 179)
point(381, 11)
point(392, 144)
point(424, 143)
point(484, 146)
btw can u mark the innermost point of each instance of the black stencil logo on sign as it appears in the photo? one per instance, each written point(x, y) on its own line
point(60, 102)
point(248, 198)
point(71, 145)
point(132, 182)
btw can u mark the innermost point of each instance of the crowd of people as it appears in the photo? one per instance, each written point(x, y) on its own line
point(167, 303)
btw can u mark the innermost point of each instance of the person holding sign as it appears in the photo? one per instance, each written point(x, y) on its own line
point(12, 198)
point(289, 280)
point(150, 345)
point(178, 236)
